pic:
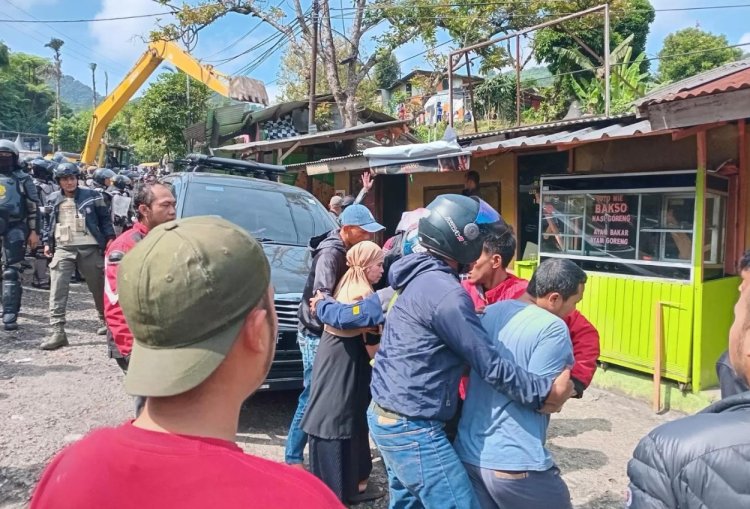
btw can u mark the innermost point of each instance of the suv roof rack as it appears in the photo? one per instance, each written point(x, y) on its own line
point(202, 162)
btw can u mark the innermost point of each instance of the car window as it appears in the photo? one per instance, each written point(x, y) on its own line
point(287, 218)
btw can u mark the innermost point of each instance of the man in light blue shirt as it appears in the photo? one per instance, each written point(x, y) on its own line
point(502, 443)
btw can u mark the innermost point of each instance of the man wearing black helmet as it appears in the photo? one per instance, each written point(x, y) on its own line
point(76, 232)
point(18, 222)
point(122, 210)
point(42, 171)
point(431, 334)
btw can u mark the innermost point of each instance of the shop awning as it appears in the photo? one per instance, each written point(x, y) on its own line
point(436, 156)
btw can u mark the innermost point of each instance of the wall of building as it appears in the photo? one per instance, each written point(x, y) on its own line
point(498, 169)
point(648, 153)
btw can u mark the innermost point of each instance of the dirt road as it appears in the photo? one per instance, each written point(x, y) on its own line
point(49, 399)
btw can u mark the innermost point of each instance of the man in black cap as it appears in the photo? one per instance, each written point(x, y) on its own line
point(203, 344)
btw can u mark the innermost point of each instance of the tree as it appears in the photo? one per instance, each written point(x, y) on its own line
point(496, 95)
point(690, 51)
point(4, 56)
point(55, 45)
point(162, 113)
point(387, 71)
point(627, 81)
point(26, 102)
point(345, 69)
point(627, 18)
point(68, 133)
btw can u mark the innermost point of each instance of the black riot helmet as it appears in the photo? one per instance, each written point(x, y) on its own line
point(121, 182)
point(454, 225)
point(101, 176)
point(8, 151)
point(41, 169)
point(66, 170)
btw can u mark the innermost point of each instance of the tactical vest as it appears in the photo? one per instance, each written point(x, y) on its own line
point(12, 202)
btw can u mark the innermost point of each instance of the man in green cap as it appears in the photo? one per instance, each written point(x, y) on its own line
point(203, 344)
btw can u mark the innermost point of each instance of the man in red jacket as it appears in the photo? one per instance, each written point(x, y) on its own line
point(490, 282)
point(154, 204)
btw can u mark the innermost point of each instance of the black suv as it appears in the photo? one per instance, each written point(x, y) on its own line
point(283, 218)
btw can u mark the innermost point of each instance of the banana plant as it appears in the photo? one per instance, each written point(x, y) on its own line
point(627, 81)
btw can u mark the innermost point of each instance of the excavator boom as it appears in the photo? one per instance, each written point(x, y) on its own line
point(239, 87)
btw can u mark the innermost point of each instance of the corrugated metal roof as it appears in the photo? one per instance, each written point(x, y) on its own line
point(721, 79)
point(546, 127)
point(618, 130)
point(367, 129)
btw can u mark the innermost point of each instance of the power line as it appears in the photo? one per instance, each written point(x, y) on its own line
point(90, 20)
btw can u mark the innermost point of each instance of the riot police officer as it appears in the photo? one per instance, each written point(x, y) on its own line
point(122, 211)
point(18, 222)
point(76, 232)
point(42, 171)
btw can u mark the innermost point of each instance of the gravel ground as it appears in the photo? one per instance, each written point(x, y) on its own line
point(52, 398)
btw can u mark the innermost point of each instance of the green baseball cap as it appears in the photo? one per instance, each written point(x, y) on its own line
point(185, 291)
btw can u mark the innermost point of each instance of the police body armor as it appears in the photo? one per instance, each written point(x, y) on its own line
point(12, 202)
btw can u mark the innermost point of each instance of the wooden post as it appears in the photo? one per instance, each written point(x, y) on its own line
point(658, 356)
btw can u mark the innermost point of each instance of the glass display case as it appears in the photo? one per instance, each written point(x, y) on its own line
point(636, 224)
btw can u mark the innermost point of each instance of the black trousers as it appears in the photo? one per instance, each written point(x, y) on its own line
point(341, 463)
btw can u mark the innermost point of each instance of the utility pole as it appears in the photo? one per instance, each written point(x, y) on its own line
point(106, 84)
point(92, 66)
point(55, 45)
point(311, 127)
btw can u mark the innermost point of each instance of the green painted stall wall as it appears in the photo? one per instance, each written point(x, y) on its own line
point(712, 328)
point(623, 310)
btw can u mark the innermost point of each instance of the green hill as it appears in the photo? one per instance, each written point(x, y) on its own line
point(74, 93)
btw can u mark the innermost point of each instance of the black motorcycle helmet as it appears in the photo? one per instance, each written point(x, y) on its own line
point(453, 227)
point(66, 170)
point(8, 149)
point(121, 182)
point(101, 176)
point(41, 169)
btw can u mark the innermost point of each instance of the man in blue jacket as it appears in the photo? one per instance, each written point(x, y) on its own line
point(77, 230)
point(432, 333)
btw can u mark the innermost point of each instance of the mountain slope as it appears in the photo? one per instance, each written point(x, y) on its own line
point(74, 93)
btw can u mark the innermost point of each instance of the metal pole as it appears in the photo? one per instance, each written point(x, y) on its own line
point(311, 127)
point(450, 90)
point(471, 95)
point(529, 29)
point(518, 80)
point(607, 98)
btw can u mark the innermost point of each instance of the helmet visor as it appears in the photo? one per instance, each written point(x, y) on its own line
point(486, 214)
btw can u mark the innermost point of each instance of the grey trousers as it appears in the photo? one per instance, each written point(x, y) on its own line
point(527, 490)
point(90, 264)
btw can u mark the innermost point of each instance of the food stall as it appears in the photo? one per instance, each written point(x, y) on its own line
point(653, 245)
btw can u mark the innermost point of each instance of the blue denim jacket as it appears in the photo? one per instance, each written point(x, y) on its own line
point(89, 203)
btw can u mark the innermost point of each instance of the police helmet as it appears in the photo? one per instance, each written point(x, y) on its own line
point(66, 170)
point(9, 146)
point(453, 227)
point(41, 168)
point(102, 174)
point(59, 158)
point(121, 182)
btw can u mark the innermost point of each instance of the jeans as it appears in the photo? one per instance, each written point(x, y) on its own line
point(296, 438)
point(423, 469)
point(530, 490)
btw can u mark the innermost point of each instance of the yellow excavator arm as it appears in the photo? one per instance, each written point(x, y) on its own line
point(240, 87)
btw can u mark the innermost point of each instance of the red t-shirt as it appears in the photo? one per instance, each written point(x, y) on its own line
point(129, 467)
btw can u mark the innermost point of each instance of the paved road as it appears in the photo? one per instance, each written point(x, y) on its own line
point(52, 398)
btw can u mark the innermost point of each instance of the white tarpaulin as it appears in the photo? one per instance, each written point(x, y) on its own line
point(418, 158)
